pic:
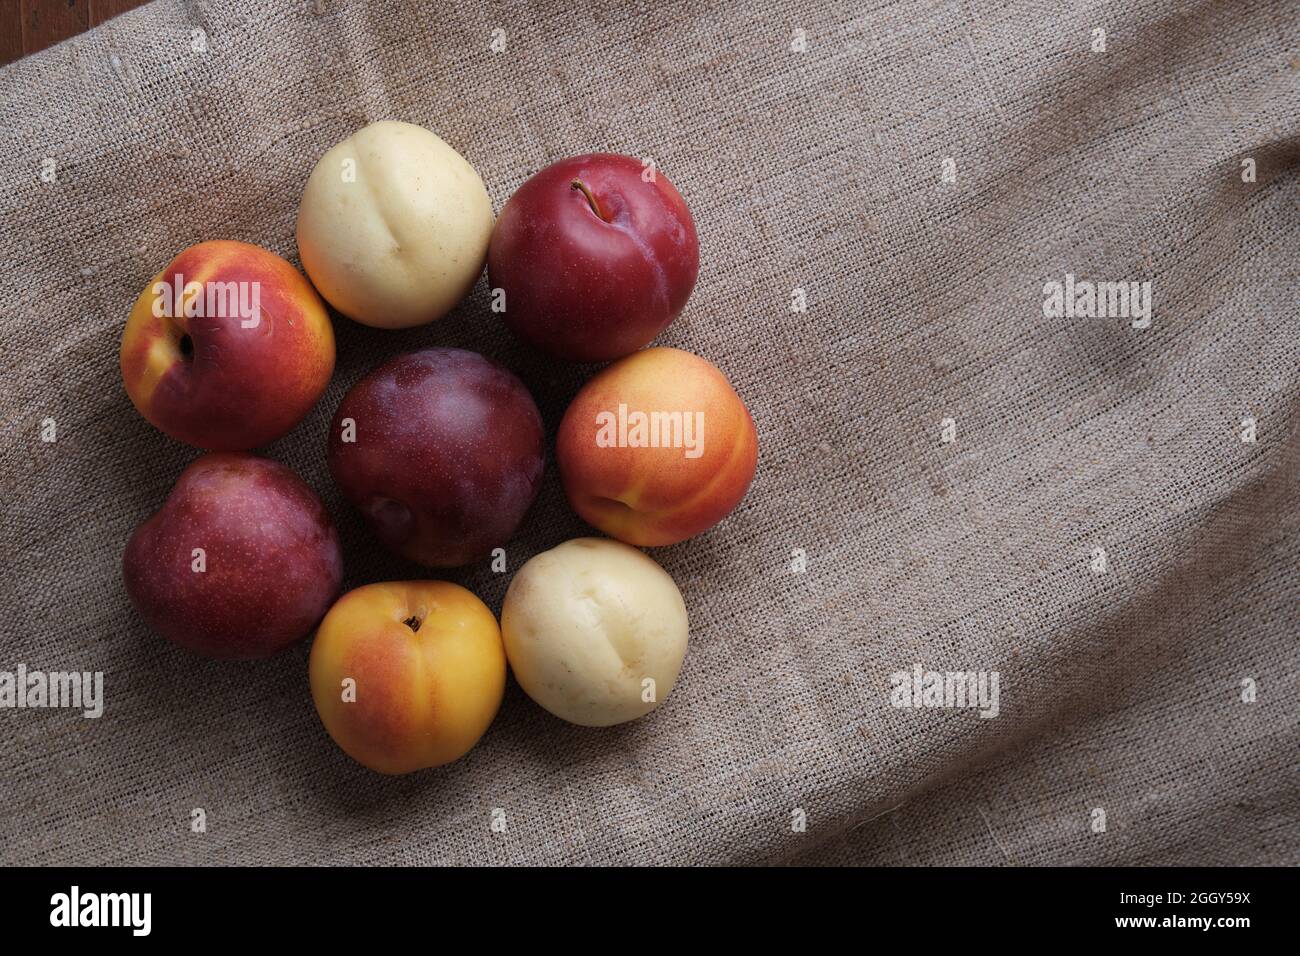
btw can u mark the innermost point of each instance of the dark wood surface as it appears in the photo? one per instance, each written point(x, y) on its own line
point(30, 25)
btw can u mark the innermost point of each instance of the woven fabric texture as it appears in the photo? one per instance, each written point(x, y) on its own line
point(948, 477)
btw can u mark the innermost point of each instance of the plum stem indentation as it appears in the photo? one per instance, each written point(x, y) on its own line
point(579, 185)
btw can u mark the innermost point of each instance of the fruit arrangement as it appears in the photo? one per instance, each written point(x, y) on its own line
point(441, 450)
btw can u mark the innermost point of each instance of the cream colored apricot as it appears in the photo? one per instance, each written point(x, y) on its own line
point(595, 631)
point(394, 226)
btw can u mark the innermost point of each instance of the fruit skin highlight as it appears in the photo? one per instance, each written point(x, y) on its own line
point(211, 381)
point(653, 496)
point(269, 565)
point(446, 457)
point(423, 664)
point(595, 257)
point(593, 628)
point(393, 227)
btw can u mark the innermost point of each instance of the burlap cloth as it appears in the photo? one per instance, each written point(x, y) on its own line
point(819, 168)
